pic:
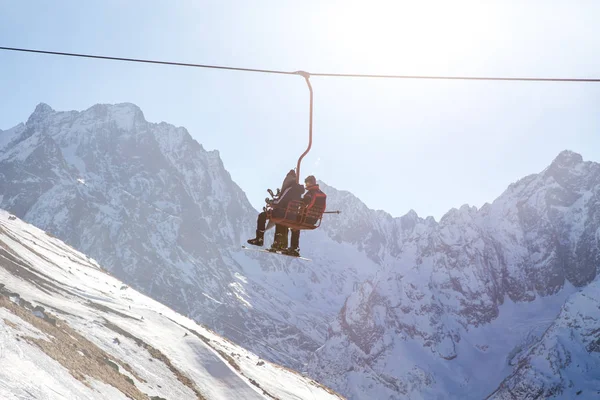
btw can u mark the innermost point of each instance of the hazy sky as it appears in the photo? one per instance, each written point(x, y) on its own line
point(396, 144)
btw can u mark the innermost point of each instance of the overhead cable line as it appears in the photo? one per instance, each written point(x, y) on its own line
point(140, 60)
point(324, 74)
point(459, 78)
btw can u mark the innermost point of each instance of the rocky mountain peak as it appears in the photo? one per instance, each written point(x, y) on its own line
point(127, 116)
point(567, 158)
point(409, 220)
point(411, 214)
point(41, 111)
point(566, 168)
point(43, 108)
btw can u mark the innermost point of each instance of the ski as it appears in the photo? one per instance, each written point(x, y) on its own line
point(275, 252)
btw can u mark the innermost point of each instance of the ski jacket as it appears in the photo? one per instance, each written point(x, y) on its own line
point(289, 180)
point(314, 197)
point(290, 190)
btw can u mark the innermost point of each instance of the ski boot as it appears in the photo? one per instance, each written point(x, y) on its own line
point(291, 251)
point(280, 242)
point(258, 240)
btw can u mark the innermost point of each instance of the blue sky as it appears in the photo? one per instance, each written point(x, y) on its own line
point(396, 144)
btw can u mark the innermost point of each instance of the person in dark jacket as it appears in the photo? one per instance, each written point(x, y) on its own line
point(314, 197)
point(289, 191)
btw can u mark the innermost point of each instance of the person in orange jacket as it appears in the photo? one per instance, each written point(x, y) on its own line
point(314, 197)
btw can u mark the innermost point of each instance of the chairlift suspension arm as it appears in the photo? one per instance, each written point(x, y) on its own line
point(306, 76)
point(297, 215)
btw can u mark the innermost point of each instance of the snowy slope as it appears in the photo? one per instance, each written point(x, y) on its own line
point(70, 330)
point(565, 363)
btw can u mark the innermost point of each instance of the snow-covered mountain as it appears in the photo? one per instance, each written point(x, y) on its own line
point(389, 308)
point(163, 215)
point(462, 301)
point(69, 330)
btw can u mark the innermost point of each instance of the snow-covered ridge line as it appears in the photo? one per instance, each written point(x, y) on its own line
point(79, 332)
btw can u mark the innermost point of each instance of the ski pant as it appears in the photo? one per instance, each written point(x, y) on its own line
point(261, 222)
point(281, 236)
point(281, 232)
point(295, 239)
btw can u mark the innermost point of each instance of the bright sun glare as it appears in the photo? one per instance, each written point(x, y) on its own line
point(409, 36)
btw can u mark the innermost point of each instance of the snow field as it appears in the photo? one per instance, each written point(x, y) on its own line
point(162, 352)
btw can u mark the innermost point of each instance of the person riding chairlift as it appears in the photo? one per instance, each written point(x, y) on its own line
point(289, 191)
point(314, 197)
